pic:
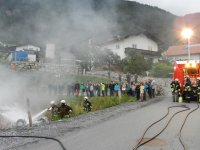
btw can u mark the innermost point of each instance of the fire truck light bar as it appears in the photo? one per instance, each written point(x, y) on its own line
point(185, 61)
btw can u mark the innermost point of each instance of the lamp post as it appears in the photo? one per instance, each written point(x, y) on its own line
point(187, 33)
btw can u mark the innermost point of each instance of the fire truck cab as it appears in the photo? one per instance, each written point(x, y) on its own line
point(187, 68)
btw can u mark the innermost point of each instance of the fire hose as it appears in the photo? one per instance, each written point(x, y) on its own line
point(38, 137)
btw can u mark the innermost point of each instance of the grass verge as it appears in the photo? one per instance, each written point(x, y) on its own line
point(98, 103)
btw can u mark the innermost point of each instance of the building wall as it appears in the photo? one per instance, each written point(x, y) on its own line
point(139, 42)
point(27, 47)
point(117, 48)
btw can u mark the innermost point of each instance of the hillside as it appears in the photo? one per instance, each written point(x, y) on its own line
point(68, 22)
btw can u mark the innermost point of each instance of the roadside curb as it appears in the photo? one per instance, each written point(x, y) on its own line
point(99, 116)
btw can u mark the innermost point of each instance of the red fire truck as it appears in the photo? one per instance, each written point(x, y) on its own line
point(187, 68)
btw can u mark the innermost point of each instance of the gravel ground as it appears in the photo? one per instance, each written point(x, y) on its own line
point(55, 129)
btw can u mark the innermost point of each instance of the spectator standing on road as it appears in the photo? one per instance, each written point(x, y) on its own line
point(142, 92)
point(116, 89)
point(103, 89)
point(137, 90)
point(106, 88)
point(123, 88)
point(128, 89)
point(120, 90)
point(87, 88)
point(98, 89)
point(82, 89)
point(149, 88)
point(76, 88)
point(95, 89)
point(111, 87)
point(91, 90)
point(145, 89)
point(132, 89)
point(153, 87)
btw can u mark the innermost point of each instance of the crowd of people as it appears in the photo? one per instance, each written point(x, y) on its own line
point(139, 90)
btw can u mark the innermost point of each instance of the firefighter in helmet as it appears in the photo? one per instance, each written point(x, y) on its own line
point(198, 89)
point(177, 90)
point(187, 80)
point(52, 105)
point(64, 110)
point(87, 105)
point(172, 84)
point(52, 111)
point(188, 89)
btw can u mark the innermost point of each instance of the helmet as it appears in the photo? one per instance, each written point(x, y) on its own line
point(176, 79)
point(62, 101)
point(85, 97)
point(52, 102)
point(198, 78)
point(187, 76)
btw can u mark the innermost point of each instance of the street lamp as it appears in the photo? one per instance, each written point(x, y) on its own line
point(187, 33)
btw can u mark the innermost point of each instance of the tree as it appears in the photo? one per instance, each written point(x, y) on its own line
point(93, 56)
point(135, 63)
point(162, 70)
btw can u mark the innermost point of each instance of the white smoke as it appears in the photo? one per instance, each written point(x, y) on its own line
point(16, 88)
point(64, 23)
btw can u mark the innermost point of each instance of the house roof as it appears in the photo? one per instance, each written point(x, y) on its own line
point(182, 50)
point(122, 37)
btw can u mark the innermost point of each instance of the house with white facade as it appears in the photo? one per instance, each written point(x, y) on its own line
point(139, 41)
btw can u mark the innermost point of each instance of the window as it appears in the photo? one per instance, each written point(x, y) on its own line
point(134, 46)
point(117, 46)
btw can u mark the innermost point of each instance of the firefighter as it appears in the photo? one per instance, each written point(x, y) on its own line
point(53, 111)
point(188, 90)
point(53, 106)
point(87, 104)
point(64, 110)
point(173, 85)
point(177, 90)
point(187, 80)
point(198, 89)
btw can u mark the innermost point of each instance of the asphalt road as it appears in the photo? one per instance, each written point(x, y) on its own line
point(122, 132)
